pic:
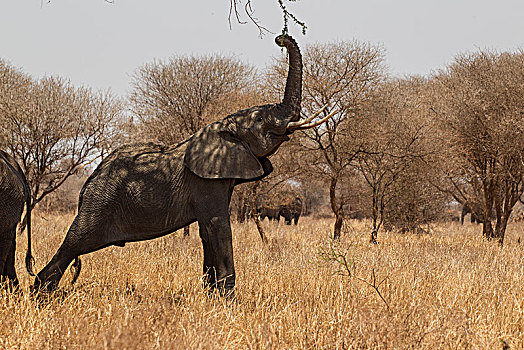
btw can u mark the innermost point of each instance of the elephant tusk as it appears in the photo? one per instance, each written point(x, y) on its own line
point(312, 125)
point(294, 125)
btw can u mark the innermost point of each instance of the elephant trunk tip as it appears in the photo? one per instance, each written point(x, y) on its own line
point(284, 40)
point(279, 40)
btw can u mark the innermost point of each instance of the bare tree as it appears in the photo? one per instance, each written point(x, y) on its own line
point(339, 76)
point(393, 132)
point(53, 128)
point(480, 108)
point(414, 202)
point(173, 99)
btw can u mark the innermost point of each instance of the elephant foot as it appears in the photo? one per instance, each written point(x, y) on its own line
point(48, 279)
point(224, 287)
point(222, 293)
point(40, 288)
point(46, 283)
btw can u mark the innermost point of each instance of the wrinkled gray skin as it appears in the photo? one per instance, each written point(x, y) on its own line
point(14, 194)
point(291, 211)
point(146, 191)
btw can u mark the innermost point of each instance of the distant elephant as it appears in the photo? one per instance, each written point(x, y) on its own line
point(14, 193)
point(269, 213)
point(145, 191)
point(467, 210)
point(291, 210)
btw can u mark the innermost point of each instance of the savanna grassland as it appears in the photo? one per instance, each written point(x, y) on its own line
point(448, 289)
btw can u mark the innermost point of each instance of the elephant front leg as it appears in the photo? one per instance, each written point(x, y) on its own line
point(7, 259)
point(10, 266)
point(219, 269)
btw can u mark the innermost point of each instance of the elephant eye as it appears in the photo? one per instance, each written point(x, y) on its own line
point(257, 116)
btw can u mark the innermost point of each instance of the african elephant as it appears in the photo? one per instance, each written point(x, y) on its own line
point(145, 191)
point(14, 194)
point(269, 213)
point(467, 210)
point(291, 210)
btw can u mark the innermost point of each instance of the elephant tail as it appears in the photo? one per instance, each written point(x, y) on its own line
point(29, 260)
point(76, 267)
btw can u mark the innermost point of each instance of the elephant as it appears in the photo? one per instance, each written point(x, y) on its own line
point(14, 194)
point(269, 213)
point(467, 210)
point(287, 206)
point(144, 191)
point(291, 210)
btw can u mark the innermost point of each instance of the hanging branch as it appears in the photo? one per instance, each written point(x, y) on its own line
point(248, 9)
point(288, 15)
point(235, 11)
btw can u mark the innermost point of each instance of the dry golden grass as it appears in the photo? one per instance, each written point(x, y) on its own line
point(450, 289)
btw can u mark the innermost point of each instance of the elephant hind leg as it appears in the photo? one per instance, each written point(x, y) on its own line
point(78, 242)
point(47, 280)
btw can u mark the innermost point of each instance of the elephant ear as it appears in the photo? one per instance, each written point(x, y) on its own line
point(215, 153)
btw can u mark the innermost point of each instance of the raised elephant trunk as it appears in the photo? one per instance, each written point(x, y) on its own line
point(293, 92)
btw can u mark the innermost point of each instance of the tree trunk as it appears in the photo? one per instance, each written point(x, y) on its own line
point(501, 199)
point(338, 227)
point(254, 213)
point(487, 229)
point(337, 209)
point(375, 213)
point(500, 233)
point(242, 208)
point(240, 218)
point(240, 215)
point(505, 202)
point(502, 224)
point(186, 231)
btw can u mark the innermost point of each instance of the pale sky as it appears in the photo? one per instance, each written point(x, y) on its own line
point(98, 44)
